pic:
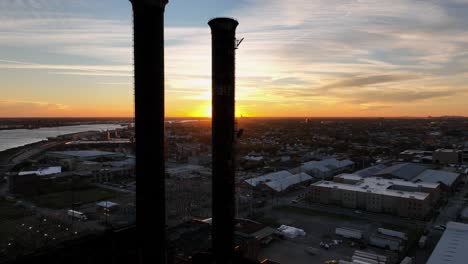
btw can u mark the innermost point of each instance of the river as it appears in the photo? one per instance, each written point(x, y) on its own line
point(20, 137)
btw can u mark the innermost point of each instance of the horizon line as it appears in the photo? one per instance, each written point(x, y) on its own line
point(205, 117)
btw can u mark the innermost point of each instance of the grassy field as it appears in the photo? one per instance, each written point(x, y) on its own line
point(65, 199)
point(9, 215)
point(9, 211)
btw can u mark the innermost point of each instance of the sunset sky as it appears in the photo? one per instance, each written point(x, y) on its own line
point(299, 57)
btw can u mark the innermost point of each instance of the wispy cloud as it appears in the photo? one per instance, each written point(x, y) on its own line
point(29, 108)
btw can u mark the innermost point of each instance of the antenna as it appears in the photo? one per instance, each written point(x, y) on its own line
point(238, 42)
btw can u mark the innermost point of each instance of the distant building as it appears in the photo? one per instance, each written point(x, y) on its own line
point(404, 171)
point(370, 171)
point(279, 181)
point(413, 172)
point(453, 245)
point(416, 156)
point(326, 168)
point(448, 180)
point(465, 156)
point(377, 194)
point(43, 171)
point(447, 156)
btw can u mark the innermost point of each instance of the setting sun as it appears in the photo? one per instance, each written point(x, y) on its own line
point(203, 110)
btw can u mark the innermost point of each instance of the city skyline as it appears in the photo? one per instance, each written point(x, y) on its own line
point(299, 58)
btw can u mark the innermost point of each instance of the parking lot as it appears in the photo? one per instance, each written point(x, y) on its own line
point(318, 228)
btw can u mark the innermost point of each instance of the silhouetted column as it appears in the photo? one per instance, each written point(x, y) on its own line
point(148, 28)
point(223, 86)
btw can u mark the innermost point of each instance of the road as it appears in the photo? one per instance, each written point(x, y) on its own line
point(112, 188)
point(453, 207)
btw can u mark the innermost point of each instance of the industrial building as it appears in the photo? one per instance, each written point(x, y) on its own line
point(453, 245)
point(370, 171)
point(414, 155)
point(413, 172)
point(279, 181)
point(375, 194)
point(447, 156)
point(326, 168)
point(43, 171)
point(448, 180)
point(404, 171)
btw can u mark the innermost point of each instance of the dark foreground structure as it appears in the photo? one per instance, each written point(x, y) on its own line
point(148, 241)
point(148, 23)
point(223, 32)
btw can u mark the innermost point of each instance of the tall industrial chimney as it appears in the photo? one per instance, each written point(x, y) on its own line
point(148, 28)
point(223, 32)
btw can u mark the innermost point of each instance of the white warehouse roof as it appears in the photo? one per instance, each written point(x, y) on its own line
point(106, 204)
point(378, 185)
point(445, 177)
point(43, 171)
point(284, 183)
point(453, 245)
point(268, 177)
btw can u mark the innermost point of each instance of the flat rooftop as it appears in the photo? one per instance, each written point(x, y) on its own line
point(378, 185)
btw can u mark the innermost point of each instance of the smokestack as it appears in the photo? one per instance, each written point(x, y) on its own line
point(148, 38)
point(223, 32)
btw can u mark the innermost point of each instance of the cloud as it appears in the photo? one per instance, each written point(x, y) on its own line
point(369, 80)
point(31, 108)
point(64, 69)
point(400, 96)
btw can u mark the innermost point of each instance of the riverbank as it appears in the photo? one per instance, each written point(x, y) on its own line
point(36, 123)
point(7, 155)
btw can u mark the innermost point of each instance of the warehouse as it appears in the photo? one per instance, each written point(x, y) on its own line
point(279, 181)
point(326, 168)
point(398, 197)
point(453, 245)
point(415, 173)
point(448, 180)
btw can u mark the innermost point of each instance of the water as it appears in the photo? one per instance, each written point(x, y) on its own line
point(20, 137)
